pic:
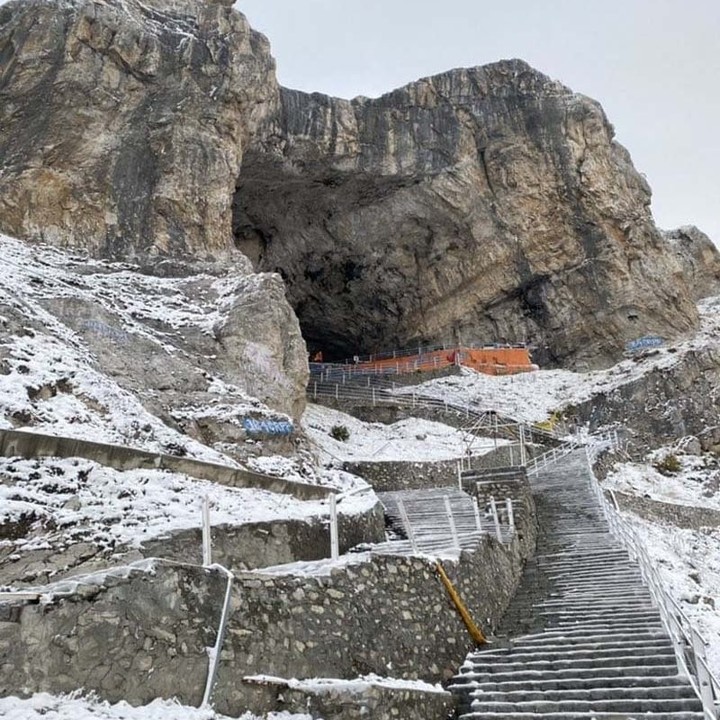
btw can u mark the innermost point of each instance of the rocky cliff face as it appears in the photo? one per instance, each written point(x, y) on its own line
point(122, 123)
point(484, 204)
point(478, 205)
point(699, 259)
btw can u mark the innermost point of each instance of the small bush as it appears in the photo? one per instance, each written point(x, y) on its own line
point(668, 465)
point(340, 432)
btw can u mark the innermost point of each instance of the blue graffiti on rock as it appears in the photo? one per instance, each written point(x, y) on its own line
point(267, 427)
point(100, 328)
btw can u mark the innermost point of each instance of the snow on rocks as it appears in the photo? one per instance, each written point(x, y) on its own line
point(696, 483)
point(413, 440)
point(533, 397)
point(43, 706)
point(98, 350)
point(66, 501)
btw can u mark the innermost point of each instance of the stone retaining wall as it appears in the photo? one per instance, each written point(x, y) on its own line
point(134, 636)
point(143, 633)
point(380, 614)
point(682, 516)
point(398, 475)
point(246, 547)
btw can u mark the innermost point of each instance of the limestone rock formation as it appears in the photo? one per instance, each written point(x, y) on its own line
point(478, 205)
point(484, 204)
point(122, 123)
point(699, 259)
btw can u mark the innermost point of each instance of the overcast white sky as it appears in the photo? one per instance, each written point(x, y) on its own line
point(653, 64)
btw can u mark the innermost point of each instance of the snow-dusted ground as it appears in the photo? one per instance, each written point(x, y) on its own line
point(70, 501)
point(151, 331)
point(358, 685)
point(534, 397)
point(689, 563)
point(697, 484)
point(411, 440)
point(49, 707)
point(688, 560)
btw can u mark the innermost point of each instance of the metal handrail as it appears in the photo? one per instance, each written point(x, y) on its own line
point(482, 419)
point(687, 641)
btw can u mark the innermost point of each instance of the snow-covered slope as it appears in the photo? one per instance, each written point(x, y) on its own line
point(534, 397)
point(98, 350)
point(687, 558)
point(413, 440)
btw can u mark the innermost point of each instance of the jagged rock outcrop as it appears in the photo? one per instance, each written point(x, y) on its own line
point(122, 123)
point(478, 205)
point(699, 258)
point(483, 204)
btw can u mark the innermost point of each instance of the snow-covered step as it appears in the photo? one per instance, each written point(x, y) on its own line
point(623, 705)
point(660, 692)
point(601, 684)
point(519, 673)
point(475, 715)
point(520, 653)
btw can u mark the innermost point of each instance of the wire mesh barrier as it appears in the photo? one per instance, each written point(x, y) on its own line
point(689, 644)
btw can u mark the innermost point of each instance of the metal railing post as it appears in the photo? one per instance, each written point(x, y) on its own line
point(206, 538)
point(408, 528)
point(334, 537)
point(451, 523)
point(476, 510)
point(510, 513)
point(703, 676)
point(496, 519)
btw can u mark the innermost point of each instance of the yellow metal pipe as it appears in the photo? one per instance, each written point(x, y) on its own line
point(475, 632)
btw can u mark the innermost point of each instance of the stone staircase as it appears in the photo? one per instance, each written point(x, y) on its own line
point(582, 638)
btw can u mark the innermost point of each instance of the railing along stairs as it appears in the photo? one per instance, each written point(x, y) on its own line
point(689, 644)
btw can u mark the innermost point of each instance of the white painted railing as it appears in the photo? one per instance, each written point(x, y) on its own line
point(688, 643)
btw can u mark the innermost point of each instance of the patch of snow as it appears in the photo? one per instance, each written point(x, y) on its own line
point(411, 440)
point(695, 484)
point(358, 685)
point(43, 706)
point(71, 500)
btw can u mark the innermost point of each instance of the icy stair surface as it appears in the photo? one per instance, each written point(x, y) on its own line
point(581, 639)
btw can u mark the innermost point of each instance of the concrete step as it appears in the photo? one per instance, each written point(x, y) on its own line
point(596, 601)
point(623, 705)
point(518, 651)
point(593, 614)
point(475, 715)
point(575, 673)
point(551, 641)
point(668, 692)
point(562, 663)
point(629, 682)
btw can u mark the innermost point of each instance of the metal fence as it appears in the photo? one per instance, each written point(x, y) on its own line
point(689, 644)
